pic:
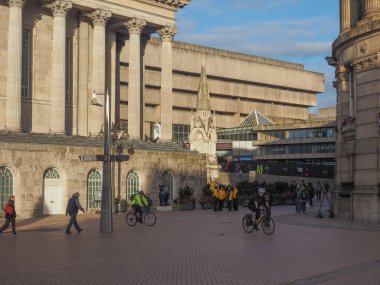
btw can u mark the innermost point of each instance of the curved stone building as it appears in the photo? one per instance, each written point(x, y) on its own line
point(356, 59)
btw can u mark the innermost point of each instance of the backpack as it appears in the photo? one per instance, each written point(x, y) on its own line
point(8, 209)
point(251, 204)
point(303, 195)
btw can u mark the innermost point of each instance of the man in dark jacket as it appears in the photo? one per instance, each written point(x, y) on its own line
point(10, 218)
point(72, 208)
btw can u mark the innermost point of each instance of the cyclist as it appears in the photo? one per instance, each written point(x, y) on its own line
point(138, 202)
point(259, 200)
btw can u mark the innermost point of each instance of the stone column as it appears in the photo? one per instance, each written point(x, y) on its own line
point(13, 103)
point(135, 27)
point(355, 12)
point(58, 101)
point(145, 131)
point(167, 33)
point(345, 15)
point(99, 19)
point(370, 7)
point(120, 43)
point(343, 168)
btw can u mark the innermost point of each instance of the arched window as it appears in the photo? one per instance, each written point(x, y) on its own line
point(6, 185)
point(168, 181)
point(52, 173)
point(94, 189)
point(133, 183)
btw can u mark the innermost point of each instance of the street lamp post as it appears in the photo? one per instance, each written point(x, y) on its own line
point(106, 225)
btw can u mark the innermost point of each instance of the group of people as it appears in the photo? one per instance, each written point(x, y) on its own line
point(304, 194)
point(222, 193)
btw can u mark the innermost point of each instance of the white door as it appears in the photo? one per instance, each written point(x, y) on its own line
point(54, 202)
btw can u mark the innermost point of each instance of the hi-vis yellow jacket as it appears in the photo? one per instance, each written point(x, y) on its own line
point(222, 194)
point(215, 193)
point(234, 193)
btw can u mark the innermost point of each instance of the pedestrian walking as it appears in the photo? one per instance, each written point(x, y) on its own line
point(73, 205)
point(302, 200)
point(318, 190)
point(10, 215)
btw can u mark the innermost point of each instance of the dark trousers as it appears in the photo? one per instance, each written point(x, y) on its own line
point(235, 204)
point(215, 203)
point(6, 225)
point(220, 205)
point(73, 221)
point(229, 205)
point(138, 212)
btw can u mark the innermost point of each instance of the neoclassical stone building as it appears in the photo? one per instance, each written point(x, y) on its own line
point(356, 59)
point(55, 54)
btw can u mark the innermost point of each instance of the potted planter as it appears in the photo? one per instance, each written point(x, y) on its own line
point(123, 205)
point(185, 198)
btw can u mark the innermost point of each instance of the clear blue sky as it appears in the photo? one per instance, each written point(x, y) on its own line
point(300, 31)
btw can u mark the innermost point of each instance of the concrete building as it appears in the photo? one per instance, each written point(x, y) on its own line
point(55, 54)
point(355, 55)
point(304, 148)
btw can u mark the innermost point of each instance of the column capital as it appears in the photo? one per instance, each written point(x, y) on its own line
point(167, 33)
point(16, 3)
point(99, 17)
point(60, 8)
point(135, 26)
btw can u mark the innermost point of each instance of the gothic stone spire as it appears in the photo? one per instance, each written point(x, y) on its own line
point(203, 100)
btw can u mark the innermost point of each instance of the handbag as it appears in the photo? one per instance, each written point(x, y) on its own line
point(8, 209)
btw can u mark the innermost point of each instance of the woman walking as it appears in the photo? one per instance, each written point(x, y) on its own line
point(10, 215)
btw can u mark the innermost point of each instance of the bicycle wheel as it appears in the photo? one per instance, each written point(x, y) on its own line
point(149, 219)
point(268, 225)
point(131, 219)
point(248, 223)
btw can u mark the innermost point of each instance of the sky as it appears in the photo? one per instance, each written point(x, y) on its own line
point(300, 31)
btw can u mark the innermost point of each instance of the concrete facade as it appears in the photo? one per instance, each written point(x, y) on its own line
point(355, 55)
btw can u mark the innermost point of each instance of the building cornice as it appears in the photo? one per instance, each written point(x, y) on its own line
point(360, 29)
point(174, 5)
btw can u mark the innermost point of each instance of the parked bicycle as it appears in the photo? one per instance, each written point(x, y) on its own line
point(267, 223)
point(147, 217)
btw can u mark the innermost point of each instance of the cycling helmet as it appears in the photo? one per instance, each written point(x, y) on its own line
point(261, 190)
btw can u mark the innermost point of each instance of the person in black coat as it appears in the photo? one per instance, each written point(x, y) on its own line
point(10, 218)
point(73, 205)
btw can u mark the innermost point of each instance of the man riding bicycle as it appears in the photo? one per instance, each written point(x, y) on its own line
point(137, 203)
point(256, 201)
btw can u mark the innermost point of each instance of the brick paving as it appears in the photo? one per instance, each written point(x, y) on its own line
point(192, 247)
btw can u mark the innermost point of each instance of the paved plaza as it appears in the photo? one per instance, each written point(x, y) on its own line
point(192, 247)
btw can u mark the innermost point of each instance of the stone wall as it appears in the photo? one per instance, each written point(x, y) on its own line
point(29, 162)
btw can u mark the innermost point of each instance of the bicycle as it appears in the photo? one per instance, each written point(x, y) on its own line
point(267, 223)
point(147, 217)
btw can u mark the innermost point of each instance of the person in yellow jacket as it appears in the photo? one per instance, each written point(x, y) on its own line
point(138, 202)
point(215, 194)
point(229, 197)
point(235, 198)
point(222, 197)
